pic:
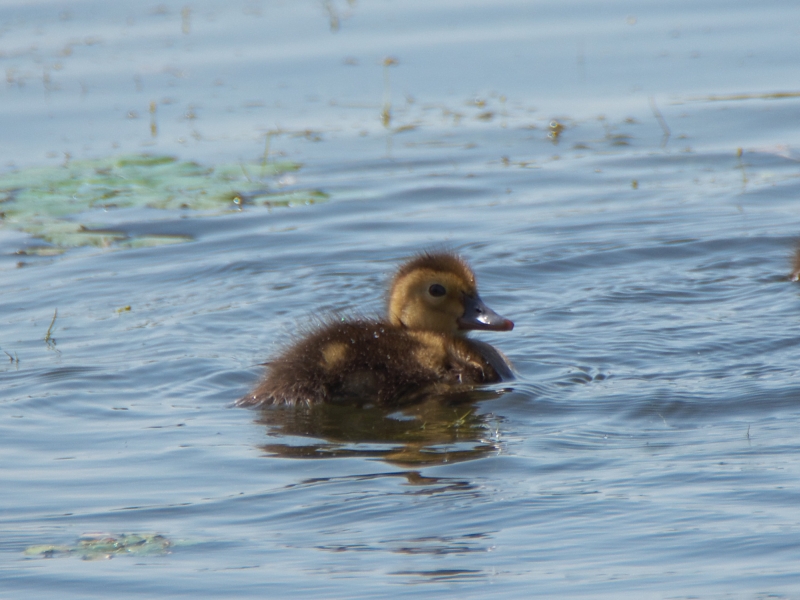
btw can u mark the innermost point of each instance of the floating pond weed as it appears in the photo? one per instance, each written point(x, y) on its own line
point(47, 202)
point(99, 546)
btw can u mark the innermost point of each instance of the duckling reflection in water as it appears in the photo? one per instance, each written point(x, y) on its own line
point(437, 430)
point(419, 350)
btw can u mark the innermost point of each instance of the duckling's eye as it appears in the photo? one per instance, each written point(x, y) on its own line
point(437, 290)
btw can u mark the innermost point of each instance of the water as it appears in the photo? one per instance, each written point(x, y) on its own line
point(647, 448)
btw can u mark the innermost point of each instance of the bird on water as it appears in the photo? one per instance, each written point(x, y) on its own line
point(419, 349)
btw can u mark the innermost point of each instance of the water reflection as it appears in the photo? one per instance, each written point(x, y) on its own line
point(437, 431)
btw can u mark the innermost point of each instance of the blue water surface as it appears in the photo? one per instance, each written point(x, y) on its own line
point(624, 177)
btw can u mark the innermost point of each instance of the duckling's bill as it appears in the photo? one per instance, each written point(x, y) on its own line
point(478, 316)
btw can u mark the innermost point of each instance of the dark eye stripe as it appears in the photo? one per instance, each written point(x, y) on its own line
point(437, 290)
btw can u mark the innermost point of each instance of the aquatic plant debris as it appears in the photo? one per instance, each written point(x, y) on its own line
point(97, 546)
point(50, 202)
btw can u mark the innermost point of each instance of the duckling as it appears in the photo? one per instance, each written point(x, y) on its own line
point(795, 274)
point(418, 350)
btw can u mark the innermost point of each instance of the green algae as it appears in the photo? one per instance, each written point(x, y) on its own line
point(99, 546)
point(50, 202)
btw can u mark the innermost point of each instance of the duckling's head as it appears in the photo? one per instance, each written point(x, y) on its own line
point(437, 292)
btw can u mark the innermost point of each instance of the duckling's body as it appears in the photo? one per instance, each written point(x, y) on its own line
point(420, 349)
